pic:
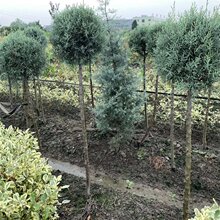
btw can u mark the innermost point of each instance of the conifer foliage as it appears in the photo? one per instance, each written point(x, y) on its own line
point(134, 24)
point(119, 106)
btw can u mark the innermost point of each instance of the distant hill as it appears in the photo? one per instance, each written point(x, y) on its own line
point(125, 24)
point(116, 24)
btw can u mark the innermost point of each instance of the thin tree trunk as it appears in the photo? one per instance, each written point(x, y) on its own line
point(188, 162)
point(17, 89)
point(40, 100)
point(155, 100)
point(145, 92)
point(91, 84)
point(84, 132)
point(172, 127)
point(204, 136)
point(36, 128)
point(26, 100)
point(35, 120)
point(10, 91)
point(10, 95)
point(36, 96)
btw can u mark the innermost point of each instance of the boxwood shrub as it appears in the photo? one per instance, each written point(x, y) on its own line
point(208, 213)
point(28, 190)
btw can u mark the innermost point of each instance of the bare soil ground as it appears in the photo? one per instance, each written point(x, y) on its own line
point(111, 204)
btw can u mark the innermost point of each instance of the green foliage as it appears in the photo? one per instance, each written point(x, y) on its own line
point(58, 70)
point(61, 95)
point(155, 31)
point(21, 55)
point(188, 49)
point(129, 184)
point(142, 40)
point(119, 106)
point(37, 34)
point(4, 31)
point(17, 25)
point(141, 153)
point(208, 213)
point(36, 24)
point(51, 92)
point(28, 189)
point(134, 24)
point(77, 34)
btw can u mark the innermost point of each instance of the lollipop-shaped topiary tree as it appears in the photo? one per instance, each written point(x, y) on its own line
point(191, 60)
point(23, 57)
point(77, 36)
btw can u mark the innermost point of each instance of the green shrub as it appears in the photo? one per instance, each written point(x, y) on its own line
point(208, 213)
point(37, 34)
point(28, 190)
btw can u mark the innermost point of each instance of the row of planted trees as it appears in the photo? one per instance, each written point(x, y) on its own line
point(23, 58)
point(187, 55)
point(185, 51)
point(143, 41)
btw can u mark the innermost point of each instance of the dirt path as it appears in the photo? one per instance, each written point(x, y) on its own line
point(97, 177)
point(117, 183)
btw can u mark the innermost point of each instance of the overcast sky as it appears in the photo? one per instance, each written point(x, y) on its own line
point(33, 10)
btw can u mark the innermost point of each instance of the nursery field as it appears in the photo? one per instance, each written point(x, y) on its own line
point(138, 178)
point(104, 122)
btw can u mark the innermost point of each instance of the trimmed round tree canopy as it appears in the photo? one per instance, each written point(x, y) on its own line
point(142, 40)
point(77, 34)
point(188, 49)
point(36, 33)
point(22, 55)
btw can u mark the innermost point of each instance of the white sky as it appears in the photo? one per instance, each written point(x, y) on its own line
point(33, 10)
